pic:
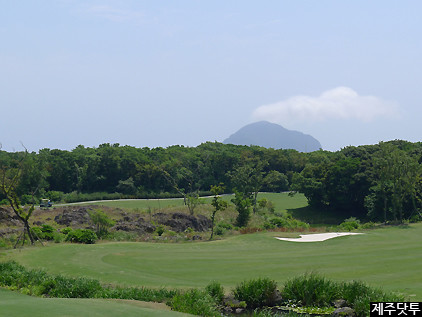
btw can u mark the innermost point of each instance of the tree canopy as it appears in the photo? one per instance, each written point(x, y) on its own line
point(381, 181)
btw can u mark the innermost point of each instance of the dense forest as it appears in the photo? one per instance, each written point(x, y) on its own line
point(380, 182)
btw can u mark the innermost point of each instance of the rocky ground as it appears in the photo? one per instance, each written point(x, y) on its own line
point(77, 217)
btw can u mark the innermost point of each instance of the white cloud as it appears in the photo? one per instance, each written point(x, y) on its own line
point(338, 103)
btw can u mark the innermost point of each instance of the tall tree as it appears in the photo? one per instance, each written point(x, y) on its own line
point(396, 178)
point(248, 179)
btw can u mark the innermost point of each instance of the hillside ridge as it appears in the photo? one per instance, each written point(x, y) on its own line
point(271, 135)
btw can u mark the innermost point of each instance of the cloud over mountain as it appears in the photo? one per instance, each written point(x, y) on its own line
point(337, 103)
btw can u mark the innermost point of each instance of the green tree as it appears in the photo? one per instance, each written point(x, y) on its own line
point(217, 203)
point(192, 201)
point(242, 203)
point(395, 189)
point(275, 181)
point(101, 221)
point(248, 179)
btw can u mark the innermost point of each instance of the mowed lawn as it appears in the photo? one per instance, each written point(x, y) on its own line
point(390, 258)
point(13, 304)
point(281, 201)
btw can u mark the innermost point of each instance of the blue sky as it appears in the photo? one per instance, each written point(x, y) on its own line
point(158, 73)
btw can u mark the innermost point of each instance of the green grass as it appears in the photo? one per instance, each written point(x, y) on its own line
point(281, 201)
point(388, 258)
point(14, 304)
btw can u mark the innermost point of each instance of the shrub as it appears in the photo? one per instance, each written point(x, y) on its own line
point(311, 290)
point(37, 233)
point(27, 199)
point(257, 293)
point(216, 291)
point(86, 236)
point(350, 224)
point(101, 221)
point(66, 230)
point(55, 196)
point(66, 287)
point(194, 302)
point(368, 225)
point(46, 232)
point(122, 236)
point(287, 222)
point(138, 293)
point(359, 295)
point(160, 230)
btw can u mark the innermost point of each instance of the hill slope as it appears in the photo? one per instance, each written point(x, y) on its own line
point(271, 135)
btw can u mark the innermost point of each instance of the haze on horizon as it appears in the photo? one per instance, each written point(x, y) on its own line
point(158, 73)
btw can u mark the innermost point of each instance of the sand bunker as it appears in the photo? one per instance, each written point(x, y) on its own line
point(317, 237)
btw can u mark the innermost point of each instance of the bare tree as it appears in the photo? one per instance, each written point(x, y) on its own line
point(10, 178)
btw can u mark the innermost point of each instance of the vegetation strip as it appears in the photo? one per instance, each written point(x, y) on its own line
point(309, 290)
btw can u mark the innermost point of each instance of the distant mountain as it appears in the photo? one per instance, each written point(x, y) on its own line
point(271, 135)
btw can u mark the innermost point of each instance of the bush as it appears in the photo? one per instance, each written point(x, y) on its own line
point(39, 283)
point(311, 290)
point(138, 293)
point(65, 287)
point(55, 196)
point(45, 232)
point(222, 227)
point(123, 236)
point(216, 291)
point(194, 302)
point(287, 222)
point(160, 230)
point(368, 225)
point(66, 230)
point(359, 295)
point(350, 224)
point(27, 200)
point(101, 221)
point(37, 233)
point(86, 236)
point(257, 293)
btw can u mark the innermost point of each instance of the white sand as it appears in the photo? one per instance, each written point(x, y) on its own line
point(317, 237)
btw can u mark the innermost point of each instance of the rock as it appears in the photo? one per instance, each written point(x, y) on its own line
point(4, 232)
point(343, 312)
point(179, 222)
point(277, 297)
point(75, 217)
point(8, 217)
point(340, 303)
point(133, 223)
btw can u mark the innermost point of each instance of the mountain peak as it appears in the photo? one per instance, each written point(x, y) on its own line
point(271, 135)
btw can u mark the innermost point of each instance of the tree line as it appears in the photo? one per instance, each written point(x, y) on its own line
point(381, 181)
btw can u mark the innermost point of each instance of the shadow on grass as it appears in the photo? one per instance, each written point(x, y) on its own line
point(317, 216)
